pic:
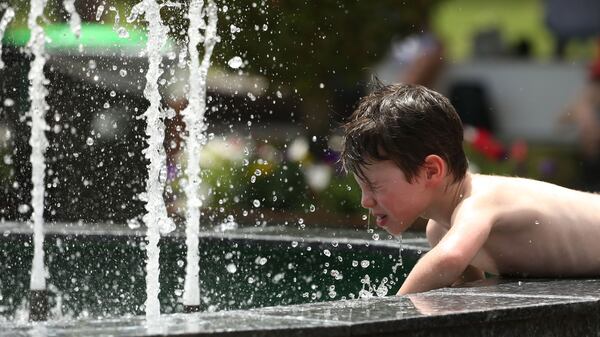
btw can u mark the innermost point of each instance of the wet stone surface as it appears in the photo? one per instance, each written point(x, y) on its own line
point(496, 308)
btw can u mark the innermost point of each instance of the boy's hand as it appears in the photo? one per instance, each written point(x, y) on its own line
point(471, 274)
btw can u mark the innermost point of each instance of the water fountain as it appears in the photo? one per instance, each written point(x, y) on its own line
point(203, 18)
point(101, 279)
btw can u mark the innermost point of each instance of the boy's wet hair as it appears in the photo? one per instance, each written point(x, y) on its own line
point(404, 123)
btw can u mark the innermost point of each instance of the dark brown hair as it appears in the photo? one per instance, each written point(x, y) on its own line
point(404, 123)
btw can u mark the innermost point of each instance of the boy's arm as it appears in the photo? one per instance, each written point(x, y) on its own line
point(445, 262)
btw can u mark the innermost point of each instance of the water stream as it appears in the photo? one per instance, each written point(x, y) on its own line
point(156, 218)
point(193, 116)
point(74, 19)
point(38, 141)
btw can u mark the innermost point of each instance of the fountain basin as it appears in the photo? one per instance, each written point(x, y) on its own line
point(99, 271)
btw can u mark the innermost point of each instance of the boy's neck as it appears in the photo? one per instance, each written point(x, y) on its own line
point(448, 196)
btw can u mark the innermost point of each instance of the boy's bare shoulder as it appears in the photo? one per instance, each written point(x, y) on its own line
point(490, 191)
point(489, 196)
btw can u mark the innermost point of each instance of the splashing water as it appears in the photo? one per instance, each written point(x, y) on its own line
point(400, 262)
point(74, 18)
point(156, 218)
point(9, 14)
point(193, 116)
point(121, 31)
point(38, 141)
point(99, 12)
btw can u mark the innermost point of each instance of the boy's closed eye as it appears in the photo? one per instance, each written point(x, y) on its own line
point(374, 187)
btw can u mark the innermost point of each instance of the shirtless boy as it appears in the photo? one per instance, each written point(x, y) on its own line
point(404, 146)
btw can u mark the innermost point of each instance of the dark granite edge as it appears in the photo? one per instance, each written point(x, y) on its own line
point(458, 319)
point(501, 294)
point(563, 306)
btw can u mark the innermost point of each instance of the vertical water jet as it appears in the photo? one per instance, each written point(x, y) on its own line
point(193, 116)
point(156, 217)
point(37, 94)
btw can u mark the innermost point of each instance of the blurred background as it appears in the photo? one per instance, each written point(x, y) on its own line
point(523, 75)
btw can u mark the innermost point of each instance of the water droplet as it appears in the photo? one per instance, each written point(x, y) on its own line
point(23, 208)
point(294, 244)
point(327, 252)
point(9, 102)
point(235, 62)
point(375, 236)
point(257, 172)
point(89, 141)
point(256, 203)
point(364, 263)
point(312, 208)
point(123, 72)
point(382, 291)
point(180, 263)
point(122, 32)
point(354, 263)
point(234, 29)
point(363, 293)
point(133, 223)
point(99, 12)
point(364, 217)
point(231, 268)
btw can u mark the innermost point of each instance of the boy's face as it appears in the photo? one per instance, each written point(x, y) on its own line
point(391, 199)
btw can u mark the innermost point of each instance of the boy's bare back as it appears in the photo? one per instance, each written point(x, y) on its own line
point(535, 228)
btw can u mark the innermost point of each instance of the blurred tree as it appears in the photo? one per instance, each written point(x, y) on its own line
point(322, 49)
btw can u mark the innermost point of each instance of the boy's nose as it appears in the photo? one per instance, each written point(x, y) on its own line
point(367, 201)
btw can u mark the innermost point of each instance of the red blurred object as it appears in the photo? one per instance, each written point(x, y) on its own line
point(518, 151)
point(484, 142)
point(595, 70)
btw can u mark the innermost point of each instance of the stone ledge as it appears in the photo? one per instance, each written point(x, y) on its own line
point(507, 308)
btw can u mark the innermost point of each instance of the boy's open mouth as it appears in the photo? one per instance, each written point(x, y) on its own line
point(381, 220)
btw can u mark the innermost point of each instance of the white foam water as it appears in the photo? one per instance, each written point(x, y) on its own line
point(9, 14)
point(38, 141)
point(193, 116)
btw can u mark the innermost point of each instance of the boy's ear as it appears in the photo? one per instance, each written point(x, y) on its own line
point(434, 169)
